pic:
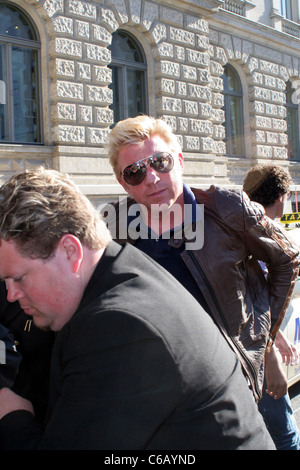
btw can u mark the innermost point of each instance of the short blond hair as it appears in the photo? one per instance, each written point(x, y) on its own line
point(38, 207)
point(134, 131)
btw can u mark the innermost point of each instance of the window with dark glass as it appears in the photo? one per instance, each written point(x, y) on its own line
point(20, 117)
point(128, 77)
point(233, 108)
point(292, 118)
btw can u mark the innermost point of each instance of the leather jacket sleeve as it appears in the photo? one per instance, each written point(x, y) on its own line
point(265, 240)
point(269, 243)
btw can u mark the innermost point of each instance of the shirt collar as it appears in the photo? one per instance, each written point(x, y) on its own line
point(191, 213)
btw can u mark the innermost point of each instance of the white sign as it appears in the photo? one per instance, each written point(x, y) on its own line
point(2, 352)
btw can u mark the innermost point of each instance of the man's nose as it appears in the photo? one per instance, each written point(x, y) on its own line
point(13, 291)
point(151, 176)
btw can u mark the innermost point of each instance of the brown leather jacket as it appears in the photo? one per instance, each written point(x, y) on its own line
point(237, 234)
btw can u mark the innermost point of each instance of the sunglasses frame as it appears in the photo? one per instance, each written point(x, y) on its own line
point(144, 163)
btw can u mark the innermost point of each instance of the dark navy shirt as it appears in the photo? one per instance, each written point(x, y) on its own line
point(157, 248)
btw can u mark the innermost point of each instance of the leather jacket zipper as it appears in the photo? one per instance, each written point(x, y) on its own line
point(203, 275)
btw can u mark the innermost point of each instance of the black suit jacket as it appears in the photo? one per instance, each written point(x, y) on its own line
point(141, 366)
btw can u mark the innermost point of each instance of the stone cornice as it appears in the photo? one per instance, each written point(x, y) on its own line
point(248, 29)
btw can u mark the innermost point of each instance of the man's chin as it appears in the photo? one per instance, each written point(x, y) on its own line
point(38, 322)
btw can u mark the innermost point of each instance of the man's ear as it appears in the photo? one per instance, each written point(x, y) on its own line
point(180, 156)
point(73, 250)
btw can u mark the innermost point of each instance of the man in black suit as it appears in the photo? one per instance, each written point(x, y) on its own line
point(137, 363)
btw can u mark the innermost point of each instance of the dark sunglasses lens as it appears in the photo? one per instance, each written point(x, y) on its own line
point(134, 177)
point(162, 162)
point(135, 174)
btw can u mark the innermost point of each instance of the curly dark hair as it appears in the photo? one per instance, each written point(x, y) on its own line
point(265, 183)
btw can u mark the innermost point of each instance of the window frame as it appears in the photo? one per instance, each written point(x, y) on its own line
point(33, 45)
point(290, 106)
point(123, 66)
point(228, 94)
point(286, 9)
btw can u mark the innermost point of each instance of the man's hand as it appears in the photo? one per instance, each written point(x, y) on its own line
point(275, 376)
point(287, 350)
point(10, 401)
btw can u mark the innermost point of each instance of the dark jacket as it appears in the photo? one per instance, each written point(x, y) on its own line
point(140, 365)
point(34, 346)
point(247, 310)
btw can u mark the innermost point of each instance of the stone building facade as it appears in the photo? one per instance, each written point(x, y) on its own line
point(187, 44)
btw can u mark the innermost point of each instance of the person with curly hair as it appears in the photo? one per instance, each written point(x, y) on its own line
point(269, 185)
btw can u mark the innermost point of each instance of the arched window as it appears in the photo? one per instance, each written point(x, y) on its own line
point(233, 107)
point(20, 116)
point(128, 76)
point(292, 124)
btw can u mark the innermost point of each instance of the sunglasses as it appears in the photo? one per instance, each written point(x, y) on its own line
point(135, 174)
